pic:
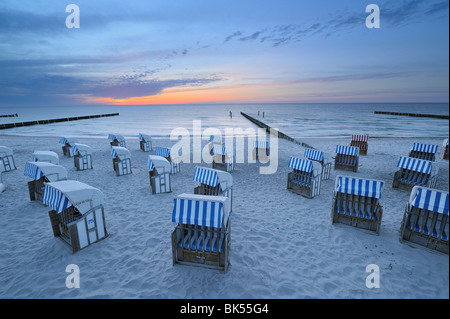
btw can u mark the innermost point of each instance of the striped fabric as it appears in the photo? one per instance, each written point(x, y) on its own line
point(215, 139)
point(415, 164)
point(206, 176)
point(359, 186)
point(69, 141)
point(198, 212)
point(55, 199)
point(113, 137)
point(161, 151)
point(360, 138)
point(218, 149)
point(120, 152)
point(203, 240)
point(144, 137)
point(313, 155)
point(81, 148)
point(347, 150)
point(260, 144)
point(425, 148)
point(430, 199)
point(33, 171)
point(301, 164)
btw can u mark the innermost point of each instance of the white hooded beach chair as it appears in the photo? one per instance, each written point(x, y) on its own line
point(360, 141)
point(159, 173)
point(67, 145)
point(41, 173)
point(121, 160)
point(174, 161)
point(261, 150)
point(77, 216)
point(213, 141)
point(213, 182)
point(221, 159)
point(82, 156)
point(145, 142)
point(356, 202)
point(7, 159)
point(305, 178)
point(117, 140)
point(425, 220)
point(202, 233)
point(415, 172)
point(444, 150)
point(323, 158)
point(347, 158)
point(424, 151)
point(46, 156)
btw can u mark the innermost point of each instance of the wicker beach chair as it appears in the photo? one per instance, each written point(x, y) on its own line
point(41, 173)
point(323, 158)
point(444, 150)
point(77, 216)
point(306, 177)
point(415, 172)
point(174, 161)
point(145, 142)
point(347, 158)
point(425, 220)
point(360, 141)
point(67, 145)
point(356, 202)
point(261, 151)
point(159, 173)
point(424, 151)
point(7, 159)
point(121, 160)
point(213, 182)
point(202, 233)
point(221, 159)
point(82, 157)
point(214, 140)
point(117, 140)
point(46, 156)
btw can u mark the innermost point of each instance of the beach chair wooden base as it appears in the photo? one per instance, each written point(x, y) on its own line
point(407, 179)
point(8, 163)
point(346, 162)
point(362, 146)
point(145, 146)
point(425, 228)
point(326, 171)
point(201, 246)
point(77, 230)
point(82, 163)
point(357, 211)
point(67, 150)
point(160, 183)
point(36, 189)
point(423, 155)
point(304, 184)
point(122, 167)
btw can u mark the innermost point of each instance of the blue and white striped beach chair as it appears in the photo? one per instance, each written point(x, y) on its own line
point(261, 151)
point(444, 150)
point(159, 172)
point(121, 160)
point(424, 151)
point(82, 156)
point(213, 182)
point(356, 202)
point(221, 159)
point(347, 157)
point(41, 173)
point(145, 142)
point(46, 156)
point(415, 172)
point(361, 142)
point(174, 161)
point(67, 145)
point(77, 216)
point(7, 159)
point(306, 177)
point(425, 220)
point(117, 140)
point(323, 158)
point(202, 234)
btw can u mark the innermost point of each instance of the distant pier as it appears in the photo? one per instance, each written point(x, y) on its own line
point(268, 128)
point(9, 115)
point(66, 119)
point(445, 117)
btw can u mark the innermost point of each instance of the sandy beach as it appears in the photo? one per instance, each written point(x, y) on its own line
point(283, 245)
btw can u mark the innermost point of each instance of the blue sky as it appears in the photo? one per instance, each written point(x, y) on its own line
point(198, 51)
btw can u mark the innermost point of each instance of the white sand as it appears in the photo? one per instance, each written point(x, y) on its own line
point(282, 245)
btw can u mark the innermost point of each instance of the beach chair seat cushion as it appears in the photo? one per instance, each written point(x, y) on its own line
point(203, 240)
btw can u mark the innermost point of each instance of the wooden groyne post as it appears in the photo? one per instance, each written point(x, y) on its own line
point(268, 128)
point(41, 122)
point(445, 117)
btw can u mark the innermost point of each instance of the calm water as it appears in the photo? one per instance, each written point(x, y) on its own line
point(295, 120)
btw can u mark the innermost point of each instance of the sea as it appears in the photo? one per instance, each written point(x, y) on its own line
point(297, 120)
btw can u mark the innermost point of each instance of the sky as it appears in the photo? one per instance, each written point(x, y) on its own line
point(214, 51)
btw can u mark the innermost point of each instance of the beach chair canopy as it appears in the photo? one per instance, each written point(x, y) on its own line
point(53, 172)
point(81, 149)
point(304, 165)
point(64, 194)
point(430, 199)
point(201, 210)
point(5, 151)
point(261, 144)
point(162, 151)
point(44, 156)
point(418, 165)
point(216, 139)
point(219, 149)
point(347, 150)
point(145, 137)
point(425, 148)
point(213, 177)
point(117, 137)
point(159, 163)
point(360, 138)
point(68, 140)
point(359, 186)
point(121, 152)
